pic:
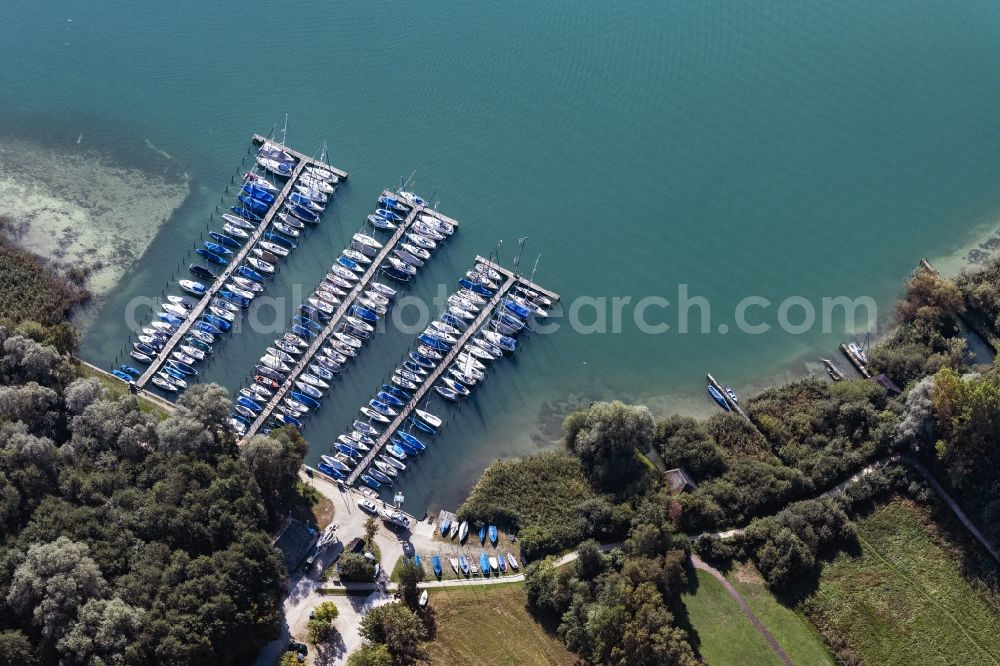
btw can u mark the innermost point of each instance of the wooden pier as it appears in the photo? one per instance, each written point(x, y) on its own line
point(302, 161)
point(510, 279)
point(342, 311)
point(735, 406)
point(856, 361)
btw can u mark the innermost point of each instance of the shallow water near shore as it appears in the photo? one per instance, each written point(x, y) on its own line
point(766, 149)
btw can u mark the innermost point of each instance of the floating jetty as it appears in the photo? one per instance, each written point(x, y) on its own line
point(374, 268)
point(302, 161)
point(510, 280)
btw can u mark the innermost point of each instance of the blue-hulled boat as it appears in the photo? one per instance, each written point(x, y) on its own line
point(411, 440)
point(493, 534)
point(302, 331)
point(218, 249)
point(130, 370)
point(349, 450)
point(714, 392)
point(249, 404)
point(364, 313)
point(350, 263)
point(217, 321)
point(260, 195)
point(300, 199)
point(484, 564)
point(390, 399)
point(396, 451)
point(445, 525)
point(254, 205)
point(452, 320)
point(370, 482)
point(211, 256)
point(169, 318)
point(224, 239)
point(250, 274)
point(482, 534)
point(284, 241)
point(205, 327)
point(388, 215)
point(406, 396)
point(304, 399)
point(330, 471)
point(288, 420)
point(463, 564)
point(124, 376)
point(237, 299)
point(433, 342)
point(246, 214)
point(420, 425)
point(436, 565)
point(421, 360)
point(474, 287)
point(517, 309)
point(408, 448)
point(305, 321)
point(302, 213)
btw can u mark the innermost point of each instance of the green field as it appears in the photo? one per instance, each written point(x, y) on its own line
point(795, 634)
point(904, 598)
point(490, 625)
point(724, 635)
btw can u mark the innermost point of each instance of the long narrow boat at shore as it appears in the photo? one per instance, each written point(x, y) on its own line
point(714, 392)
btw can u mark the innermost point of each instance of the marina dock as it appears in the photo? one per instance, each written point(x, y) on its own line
point(342, 311)
point(510, 279)
point(302, 161)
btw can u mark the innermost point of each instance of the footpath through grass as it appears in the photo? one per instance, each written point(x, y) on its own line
point(724, 635)
point(796, 635)
point(904, 598)
point(491, 625)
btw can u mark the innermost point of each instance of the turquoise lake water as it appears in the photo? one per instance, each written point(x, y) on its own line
point(768, 149)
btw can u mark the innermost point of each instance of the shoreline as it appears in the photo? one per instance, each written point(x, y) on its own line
point(82, 210)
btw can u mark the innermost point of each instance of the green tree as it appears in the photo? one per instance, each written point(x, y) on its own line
point(103, 634)
point(410, 575)
point(355, 567)
point(371, 654)
point(371, 529)
point(55, 580)
point(15, 649)
point(399, 628)
point(321, 621)
point(605, 438)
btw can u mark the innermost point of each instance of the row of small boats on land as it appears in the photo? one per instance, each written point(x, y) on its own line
point(467, 368)
point(283, 362)
point(497, 564)
point(256, 197)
